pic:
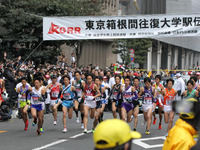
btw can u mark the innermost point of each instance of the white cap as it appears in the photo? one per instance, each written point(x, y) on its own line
point(178, 75)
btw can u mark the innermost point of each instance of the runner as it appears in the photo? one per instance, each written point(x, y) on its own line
point(54, 90)
point(136, 82)
point(97, 82)
point(149, 97)
point(159, 92)
point(104, 100)
point(78, 83)
point(169, 96)
point(116, 103)
point(129, 95)
point(190, 92)
point(68, 95)
point(24, 96)
point(38, 96)
point(2, 89)
point(89, 92)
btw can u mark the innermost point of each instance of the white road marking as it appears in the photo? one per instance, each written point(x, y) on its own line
point(60, 141)
point(51, 144)
point(75, 136)
point(140, 115)
point(147, 146)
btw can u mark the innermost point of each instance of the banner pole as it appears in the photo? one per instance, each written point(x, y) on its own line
point(30, 54)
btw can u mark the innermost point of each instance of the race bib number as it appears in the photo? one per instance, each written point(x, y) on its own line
point(67, 96)
point(148, 100)
point(23, 97)
point(35, 99)
point(79, 92)
point(114, 95)
point(169, 102)
point(54, 94)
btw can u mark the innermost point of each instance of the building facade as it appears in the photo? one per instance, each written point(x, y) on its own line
point(182, 53)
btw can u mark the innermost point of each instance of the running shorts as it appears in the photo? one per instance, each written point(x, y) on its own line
point(104, 101)
point(146, 107)
point(167, 108)
point(38, 107)
point(127, 106)
point(68, 104)
point(52, 102)
point(22, 104)
point(91, 104)
point(98, 104)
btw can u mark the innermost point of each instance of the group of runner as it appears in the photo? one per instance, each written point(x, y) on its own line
point(91, 94)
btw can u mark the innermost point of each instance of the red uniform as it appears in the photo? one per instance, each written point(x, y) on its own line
point(55, 90)
point(89, 90)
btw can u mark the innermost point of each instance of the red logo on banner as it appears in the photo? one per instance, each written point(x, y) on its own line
point(62, 30)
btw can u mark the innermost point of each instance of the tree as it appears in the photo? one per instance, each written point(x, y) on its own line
point(140, 47)
point(121, 48)
point(23, 21)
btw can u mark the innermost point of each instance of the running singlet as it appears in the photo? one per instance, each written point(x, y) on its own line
point(89, 90)
point(191, 95)
point(54, 91)
point(67, 94)
point(158, 90)
point(1, 91)
point(78, 88)
point(103, 95)
point(148, 96)
point(36, 98)
point(100, 97)
point(127, 95)
point(169, 97)
point(23, 93)
point(137, 89)
point(115, 91)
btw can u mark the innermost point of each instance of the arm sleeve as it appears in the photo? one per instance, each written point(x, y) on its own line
point(135, 97)
point(59, 94)
point(118, 95)
point(75, 93)
point(44, 96)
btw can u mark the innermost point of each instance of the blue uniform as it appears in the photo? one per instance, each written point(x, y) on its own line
point(68, 97)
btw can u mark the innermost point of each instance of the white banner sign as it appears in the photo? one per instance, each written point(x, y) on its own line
point(114, 27)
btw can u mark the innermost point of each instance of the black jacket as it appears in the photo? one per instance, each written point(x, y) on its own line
point(10, 82)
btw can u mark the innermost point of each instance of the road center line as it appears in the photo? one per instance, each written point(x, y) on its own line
point(51, 144)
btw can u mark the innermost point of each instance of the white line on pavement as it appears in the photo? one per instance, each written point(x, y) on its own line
point(140, 114)
point(60, 141)
point(51, 144)
point(75, 136)
point(141, 142)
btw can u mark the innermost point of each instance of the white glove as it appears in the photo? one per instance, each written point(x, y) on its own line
point(79, 99)
point(107, 97)
point(19, 96)
point(48, 91)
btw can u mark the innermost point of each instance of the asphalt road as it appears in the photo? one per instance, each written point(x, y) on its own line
point(15, 138)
